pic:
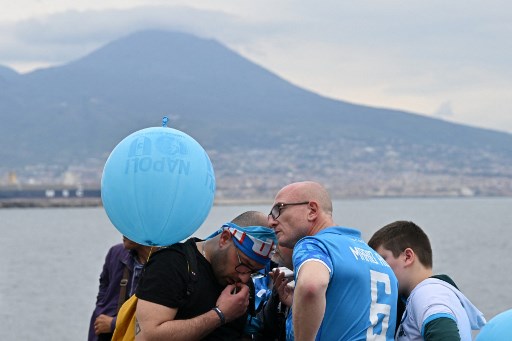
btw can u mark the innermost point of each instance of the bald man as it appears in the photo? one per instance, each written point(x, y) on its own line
point(344, 290)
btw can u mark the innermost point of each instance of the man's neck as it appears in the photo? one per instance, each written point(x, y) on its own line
point(420, 274)
point(320, 224)
point(202, 247)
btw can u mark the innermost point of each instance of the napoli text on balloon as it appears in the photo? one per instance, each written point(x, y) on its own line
point(165, 164)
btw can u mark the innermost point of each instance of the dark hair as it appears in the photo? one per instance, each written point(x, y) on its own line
point(399, 235)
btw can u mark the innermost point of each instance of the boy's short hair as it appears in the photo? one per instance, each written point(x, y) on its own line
point(399, 235)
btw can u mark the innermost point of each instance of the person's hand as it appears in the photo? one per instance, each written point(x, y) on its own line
point(284, 290)
point(102, 324)
point(233, 301)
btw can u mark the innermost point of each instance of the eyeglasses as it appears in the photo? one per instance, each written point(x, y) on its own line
point(243, 268)
point(275, 212)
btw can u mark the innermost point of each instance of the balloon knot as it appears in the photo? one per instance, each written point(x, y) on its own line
point(164, 121)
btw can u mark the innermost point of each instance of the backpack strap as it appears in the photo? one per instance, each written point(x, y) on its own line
point(122, 290)
point(190, 253)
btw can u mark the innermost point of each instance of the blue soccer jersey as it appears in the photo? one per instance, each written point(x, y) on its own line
point(362, 294)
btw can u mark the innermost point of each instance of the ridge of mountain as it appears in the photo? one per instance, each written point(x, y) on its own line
point(244, 116)
point(7, 73)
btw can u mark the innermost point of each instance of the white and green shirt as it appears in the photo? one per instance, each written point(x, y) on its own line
point(433, 299)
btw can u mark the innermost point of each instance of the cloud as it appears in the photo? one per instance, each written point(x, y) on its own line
point(60, 37)
point(453, 33)
point(444, 110)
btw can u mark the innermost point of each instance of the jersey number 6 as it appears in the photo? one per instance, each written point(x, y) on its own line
point(379, 312)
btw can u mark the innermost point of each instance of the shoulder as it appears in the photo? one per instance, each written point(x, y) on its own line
point(332, 241)
point(338, 233)
point(311, 249)
point(431, 298)
point(117, 248)
point(168, 253)
point(333, 236)
point(165, 267)
point(310, 246)
point(446, 279)
point(433, 287)
point(117, 251)
point(174, 253)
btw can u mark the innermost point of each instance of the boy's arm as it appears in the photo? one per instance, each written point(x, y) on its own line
point(442, 328)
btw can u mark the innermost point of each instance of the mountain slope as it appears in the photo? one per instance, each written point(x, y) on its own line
point(79, 111)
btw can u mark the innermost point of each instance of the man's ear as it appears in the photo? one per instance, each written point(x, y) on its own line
point(409, 256)
point(224, 239)
point(313, 210)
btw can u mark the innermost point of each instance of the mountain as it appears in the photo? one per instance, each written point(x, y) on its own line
point(260, 130)
point(7, 73)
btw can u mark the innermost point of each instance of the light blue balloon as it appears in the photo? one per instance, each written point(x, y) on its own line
point(499, 328)
point(158, 186)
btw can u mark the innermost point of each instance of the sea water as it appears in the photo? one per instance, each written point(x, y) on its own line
point(52, 257)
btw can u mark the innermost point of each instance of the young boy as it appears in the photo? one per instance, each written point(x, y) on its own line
point(435, 308)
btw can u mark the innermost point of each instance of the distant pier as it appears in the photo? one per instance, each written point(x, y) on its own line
point(49, 196)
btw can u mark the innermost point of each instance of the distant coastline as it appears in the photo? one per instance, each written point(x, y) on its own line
point(96, 202)
point(43, 196)
point(240, 202)
point(49, 195)
point(49, 202)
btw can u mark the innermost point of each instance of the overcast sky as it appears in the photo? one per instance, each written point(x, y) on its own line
point(447, 59)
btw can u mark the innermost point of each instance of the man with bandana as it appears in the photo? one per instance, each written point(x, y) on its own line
point(216, 308)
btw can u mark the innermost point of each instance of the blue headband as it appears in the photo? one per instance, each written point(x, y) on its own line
point(256, 242)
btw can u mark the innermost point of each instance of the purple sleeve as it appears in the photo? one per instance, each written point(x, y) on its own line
point(104, 278)
point(113, 323)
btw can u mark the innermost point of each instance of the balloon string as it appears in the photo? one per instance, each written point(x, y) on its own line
point(164, 121)
point(150, 252)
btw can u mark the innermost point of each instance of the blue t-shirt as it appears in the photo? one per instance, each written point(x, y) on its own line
point(289, 326)
point(362, 294)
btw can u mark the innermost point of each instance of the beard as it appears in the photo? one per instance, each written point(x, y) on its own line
point(219, 263)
